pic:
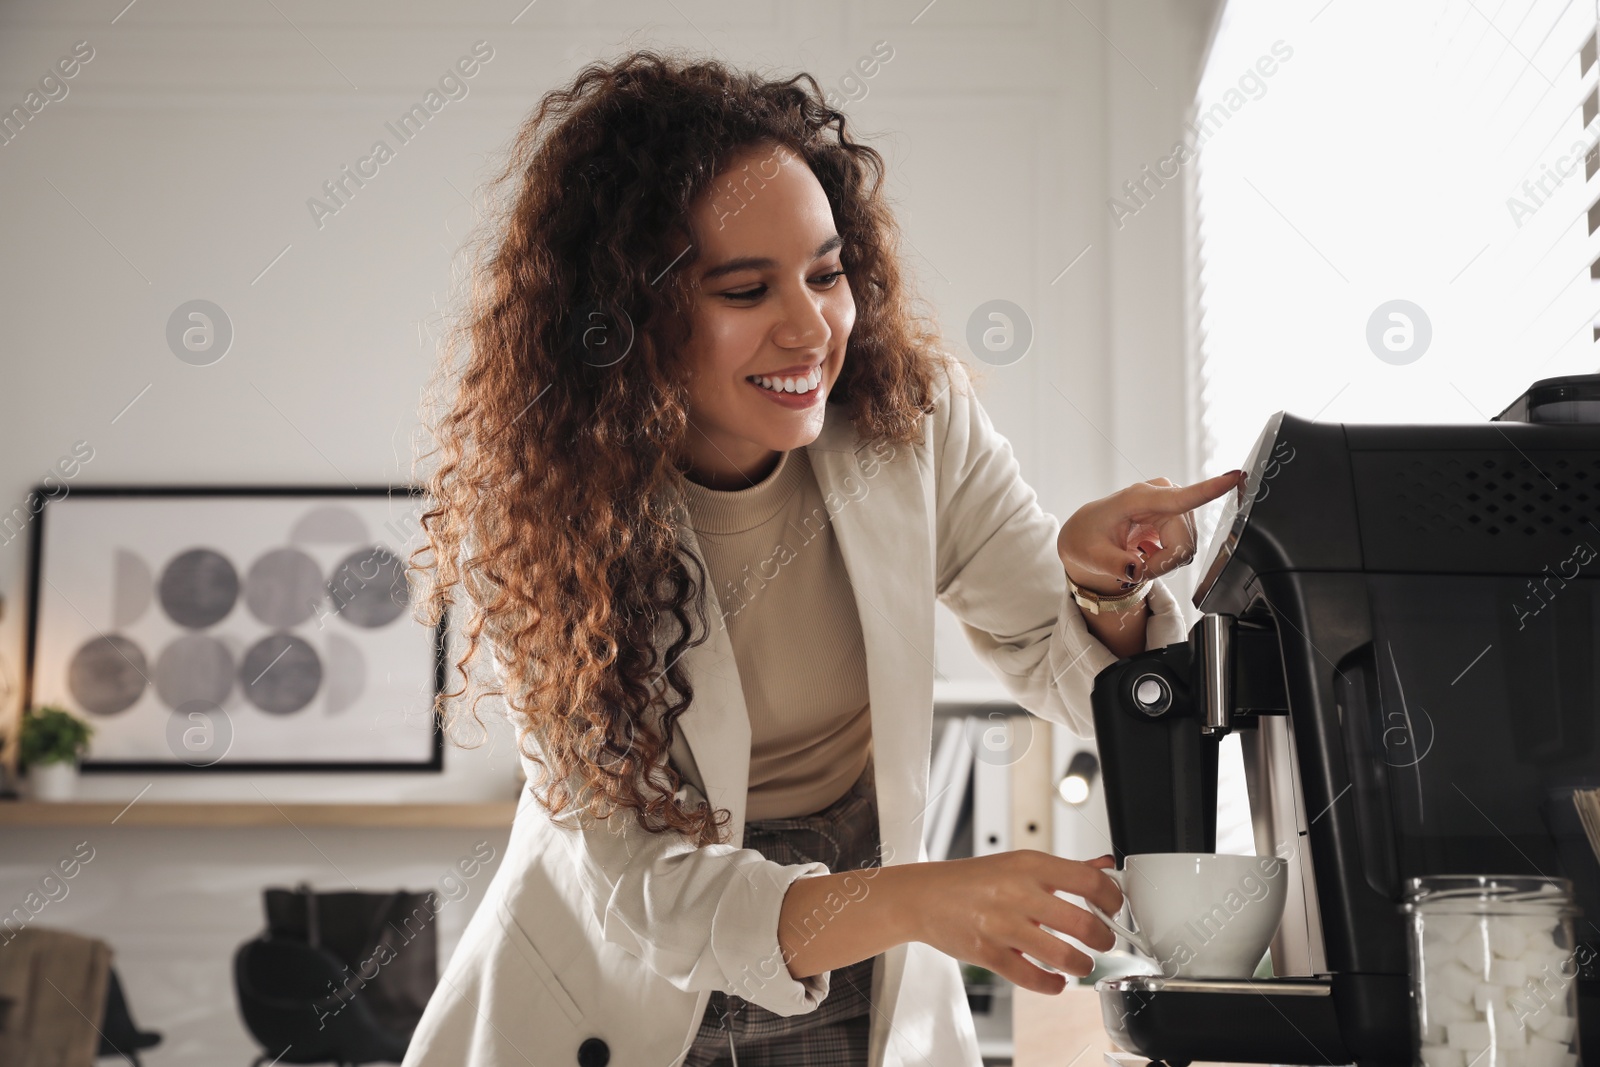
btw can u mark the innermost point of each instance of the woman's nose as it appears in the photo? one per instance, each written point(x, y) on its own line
point(803, 324)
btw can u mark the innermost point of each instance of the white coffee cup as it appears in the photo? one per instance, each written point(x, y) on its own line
point(1201, 914)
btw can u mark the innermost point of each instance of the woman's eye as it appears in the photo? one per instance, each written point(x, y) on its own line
point(756, 292)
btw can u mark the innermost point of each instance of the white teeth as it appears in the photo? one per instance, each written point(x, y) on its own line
point(790, 384)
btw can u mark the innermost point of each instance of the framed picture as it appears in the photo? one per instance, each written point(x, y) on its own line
point(236, 629)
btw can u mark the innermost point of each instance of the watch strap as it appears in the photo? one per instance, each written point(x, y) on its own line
point(1102, 604)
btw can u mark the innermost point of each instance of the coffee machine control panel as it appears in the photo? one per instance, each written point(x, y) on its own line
point(1266, 456)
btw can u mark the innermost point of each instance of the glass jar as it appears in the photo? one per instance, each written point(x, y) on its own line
point(1493, 971)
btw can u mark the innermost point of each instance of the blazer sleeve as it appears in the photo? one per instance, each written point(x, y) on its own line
point(999, 574)
point(702, 917)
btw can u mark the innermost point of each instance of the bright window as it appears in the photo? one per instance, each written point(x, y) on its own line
point(1357, 152)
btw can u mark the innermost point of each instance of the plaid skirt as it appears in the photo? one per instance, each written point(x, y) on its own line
point(737, 1033)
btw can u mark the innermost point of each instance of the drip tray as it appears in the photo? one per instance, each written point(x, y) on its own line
point(1240, 1020)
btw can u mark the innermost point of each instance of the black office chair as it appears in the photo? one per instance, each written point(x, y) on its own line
point(295, 1002)
point(119, 1035)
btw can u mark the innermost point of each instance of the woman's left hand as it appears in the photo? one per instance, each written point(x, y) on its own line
point(1143, 531)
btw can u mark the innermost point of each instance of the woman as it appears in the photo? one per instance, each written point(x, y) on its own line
point(704, 476)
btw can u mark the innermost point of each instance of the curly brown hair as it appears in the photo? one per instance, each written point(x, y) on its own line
point(552, 500)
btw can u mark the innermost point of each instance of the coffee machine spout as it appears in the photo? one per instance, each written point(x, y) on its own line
point(1216, 650)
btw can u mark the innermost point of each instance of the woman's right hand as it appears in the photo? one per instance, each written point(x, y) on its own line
point(988, 910)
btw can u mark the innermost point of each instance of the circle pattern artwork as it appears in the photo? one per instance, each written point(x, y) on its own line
point(284, 588)
point(198, 588)
point(369, 587)
point(195, 667)
point(280, 674)
point(107, 674)
point(268, 659)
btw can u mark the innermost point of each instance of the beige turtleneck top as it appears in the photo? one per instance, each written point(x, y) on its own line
point(796, 633)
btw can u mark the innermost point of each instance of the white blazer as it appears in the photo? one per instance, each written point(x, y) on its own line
point(601, 945)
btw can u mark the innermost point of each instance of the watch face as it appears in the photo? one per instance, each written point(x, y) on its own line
point(1236, 508)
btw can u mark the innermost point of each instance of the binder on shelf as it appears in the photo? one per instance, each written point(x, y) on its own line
point(947, 787)
point(990, 743)
point(1032, 788)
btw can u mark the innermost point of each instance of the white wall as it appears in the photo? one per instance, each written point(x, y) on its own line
point(179, 166)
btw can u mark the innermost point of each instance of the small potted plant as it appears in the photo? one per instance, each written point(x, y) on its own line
point(980, 985)
point(52, 740)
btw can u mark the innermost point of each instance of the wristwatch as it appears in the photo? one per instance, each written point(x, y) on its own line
point(1103, 604)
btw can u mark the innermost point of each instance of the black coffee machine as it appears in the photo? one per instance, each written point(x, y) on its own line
point(1402, 624)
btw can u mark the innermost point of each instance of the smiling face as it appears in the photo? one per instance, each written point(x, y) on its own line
point(771, 314)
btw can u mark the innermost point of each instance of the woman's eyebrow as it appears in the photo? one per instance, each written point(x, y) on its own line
point(765, 263)
point(828, 246)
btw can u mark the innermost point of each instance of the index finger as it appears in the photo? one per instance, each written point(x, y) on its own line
point(1181, 498)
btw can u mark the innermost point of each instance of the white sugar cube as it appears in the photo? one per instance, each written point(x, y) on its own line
point(1473, 952)
point(1548, 989)
point(1441, 1056)
point(1507, 939)
point(1436, 958)
point(1507, 972)
point(1447, 929)
point(1485, 994)
point(1508, 1033)
point(1538, 931)
point(1543, 1053)
point(1433, 965)
point(1536, 967)
point(1554, 1024)
point(1525, 1006)
point(1456, 982)
point(1543, 962)
point(1446, 1011)
point(1469, 1037)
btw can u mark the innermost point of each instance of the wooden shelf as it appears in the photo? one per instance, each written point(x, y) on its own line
point(495, 815)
